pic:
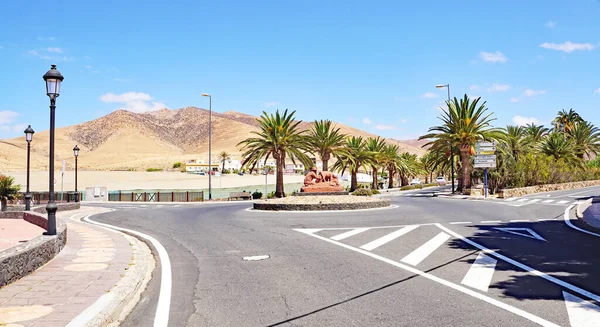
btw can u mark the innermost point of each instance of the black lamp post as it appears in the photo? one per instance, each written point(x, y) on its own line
point(440, 86)
point(209, 144)
point(28, 137)
point(53, 80)
point(76, 154)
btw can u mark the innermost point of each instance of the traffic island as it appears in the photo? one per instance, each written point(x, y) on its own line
point(322, 203)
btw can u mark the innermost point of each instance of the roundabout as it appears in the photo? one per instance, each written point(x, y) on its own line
point(321, 203)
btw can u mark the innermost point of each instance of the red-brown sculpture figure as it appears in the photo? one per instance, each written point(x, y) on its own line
point(324, 181)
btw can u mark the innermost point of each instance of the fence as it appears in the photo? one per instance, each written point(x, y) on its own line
point(43, 197)
point(156, 196)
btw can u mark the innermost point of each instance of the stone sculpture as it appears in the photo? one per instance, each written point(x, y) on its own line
point(324, 181)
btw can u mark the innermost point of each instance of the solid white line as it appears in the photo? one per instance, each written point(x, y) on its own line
point(570, 224)
point(387, 238)
point(581, 313)
point(562, 202)
point(481, 272)
point(161, 318)
point(519, 220)
point(423, 251)
point(511, 199)
point(548, 201)
point(393, 206)
point(349, 233)
point(523, 266)
point(491, 221)
point(460, 222)
point(92, 311)
point(456, 287)
point(535, 200)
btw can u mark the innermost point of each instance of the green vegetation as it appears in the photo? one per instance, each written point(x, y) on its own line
point(224, 156)
point(8, 190)
point(150, 170)
point(363, 192)
point(177, 165)
point(325, 141)
point(257, 195)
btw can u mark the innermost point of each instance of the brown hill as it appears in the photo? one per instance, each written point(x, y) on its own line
point(125, 140)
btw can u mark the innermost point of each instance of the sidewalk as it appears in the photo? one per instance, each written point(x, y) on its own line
point(15, 231)
point(592, 214)
point(91, 265)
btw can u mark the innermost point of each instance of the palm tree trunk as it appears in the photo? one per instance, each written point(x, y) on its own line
point(3, 205)
point(391, 176)
point(325, 159)
point(353, 181)
point(465, 150)
point(279, 192)
point(223, 168)
point(374, 184)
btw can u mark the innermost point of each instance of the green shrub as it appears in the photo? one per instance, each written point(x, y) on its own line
point(153, 169)
point(177, 165)
point(363, 192)
point(257, 195)
point(271, 195)
point(375, 192)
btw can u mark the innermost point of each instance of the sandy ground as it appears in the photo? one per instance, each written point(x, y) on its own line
point(125, 180)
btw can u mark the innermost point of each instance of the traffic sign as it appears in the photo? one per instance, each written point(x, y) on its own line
point(486, 157)
point(485, 165)
point(486, 152)
point(485, 144)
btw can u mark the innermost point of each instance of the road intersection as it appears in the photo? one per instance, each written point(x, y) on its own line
point(429, 261)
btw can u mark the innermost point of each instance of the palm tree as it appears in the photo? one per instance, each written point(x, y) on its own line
point(515, 140)
point(278, 137)
point(464, 123)
point(390, 159)
point(586, 139)
point(408, 167)
point(535, 133)
point(428, 164)
point(376, 147)
point(8, 190)
point(566, 120)
point(325, 140)
point(559, 146)
point(355, 156)
point(224, 157)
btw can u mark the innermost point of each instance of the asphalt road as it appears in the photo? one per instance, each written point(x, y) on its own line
point(430, 261)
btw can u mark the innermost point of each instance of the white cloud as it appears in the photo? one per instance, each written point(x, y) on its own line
point(88, 66)
point(4, 129)
point(367, 121)
point(19, 128)
point(385, 127)
point(49, 38)
point(122, 80)
point(134, 101)
point(473, 97)
point(87, 57)
point(522, 121)
point(474, 88)
point(498, 87)
point(49, 55)
point(352, 119)
point(597, 91)
point(568, 46)
point(429, 95)
point(55, 50)
point(404, 121)
point(494, 57)
point(7, 117)
point(551, 24)
point(270, 104)
point(532, 93)
point(514, 100)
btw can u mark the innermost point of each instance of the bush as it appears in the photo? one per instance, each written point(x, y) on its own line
point(150, 170)
point(226, 171)
point(257, 195)
point(271, 195)
point(177, 165)
point(375, 192)
point(8, 190)
point(363, 192)
point(411, 187)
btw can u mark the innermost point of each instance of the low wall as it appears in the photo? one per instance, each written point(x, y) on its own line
point(18, 213)
point(516, 192)
point(23, 259)
point(382, 203)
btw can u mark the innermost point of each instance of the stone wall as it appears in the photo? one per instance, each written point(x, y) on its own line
point(21, 260)
point(17, 212)
point(516, 192)
point(321, 206)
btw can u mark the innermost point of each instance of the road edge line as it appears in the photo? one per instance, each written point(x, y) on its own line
point(570, 224)
point(161, 317)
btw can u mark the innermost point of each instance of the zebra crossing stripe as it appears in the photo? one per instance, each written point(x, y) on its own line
point(349, 233)
point(387, 238)
point(523, 200)
point(481, 272)
point(418, 255)
point(548, 201)
point(535, 200)
point(511, 199)
point(562, 202)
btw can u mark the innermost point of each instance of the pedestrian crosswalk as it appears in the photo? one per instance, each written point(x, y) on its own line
point(481, 273)
point(524, 201)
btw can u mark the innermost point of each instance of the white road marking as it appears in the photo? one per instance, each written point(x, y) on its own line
point(492, 301)
point(393, 206)
point(519, 220)
point(576, 202)
point(422, 252)
point(177, 205)
point(349, 233)
point(582, 313)
point(535, 272)
point(535, 200)
point(548, 201)
point(92, 311)
point(161, 317)
point(143, 206)
point(526, 232)
point(562, 202)
point(570, 224)
point(522, 200)
point(256, 257)
point(389, 237)
point(160, 206)
point(460, 222)
point(490, 221)
point(511, 199)
point(481, 272)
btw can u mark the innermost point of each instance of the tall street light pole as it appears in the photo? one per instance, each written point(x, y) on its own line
point(441, 86)
point(28, 137)
point(53, 80)
point(76, 154)
point(209, 144)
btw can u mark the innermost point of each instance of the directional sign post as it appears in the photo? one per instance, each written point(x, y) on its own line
point(485, 158)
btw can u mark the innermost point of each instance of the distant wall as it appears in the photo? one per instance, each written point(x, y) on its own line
point(515, 192)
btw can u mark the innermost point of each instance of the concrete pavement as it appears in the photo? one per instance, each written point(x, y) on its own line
point(429, 262)
point(88, 283)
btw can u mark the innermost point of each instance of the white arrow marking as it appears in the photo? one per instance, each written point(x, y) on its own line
point(522, 232)
point(582, 313)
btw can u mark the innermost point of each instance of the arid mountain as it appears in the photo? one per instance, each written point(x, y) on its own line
point(416, 143)
point(125, 140)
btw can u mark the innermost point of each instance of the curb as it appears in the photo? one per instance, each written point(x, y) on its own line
point(580, 214)
point(114, 306)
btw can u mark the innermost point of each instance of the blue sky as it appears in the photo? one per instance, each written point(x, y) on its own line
point(372, 65)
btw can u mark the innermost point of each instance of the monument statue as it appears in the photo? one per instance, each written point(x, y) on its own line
point(324, 181)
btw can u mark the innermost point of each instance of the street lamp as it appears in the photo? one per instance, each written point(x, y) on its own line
point(209, 144)
point(441, 86)
point(53, 79)
point(28, 137)
point(76, 154)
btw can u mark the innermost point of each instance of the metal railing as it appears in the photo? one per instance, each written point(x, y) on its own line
point(156, 196)
point(43, 197)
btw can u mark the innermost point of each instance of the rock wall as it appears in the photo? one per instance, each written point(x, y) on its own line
point(321, 206)
point(516, 192)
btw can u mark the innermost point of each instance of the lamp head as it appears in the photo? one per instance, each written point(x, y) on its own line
point(53, 80)
point(205, 95)
point(441, 86)
point(76, 151)
point(29, 134)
